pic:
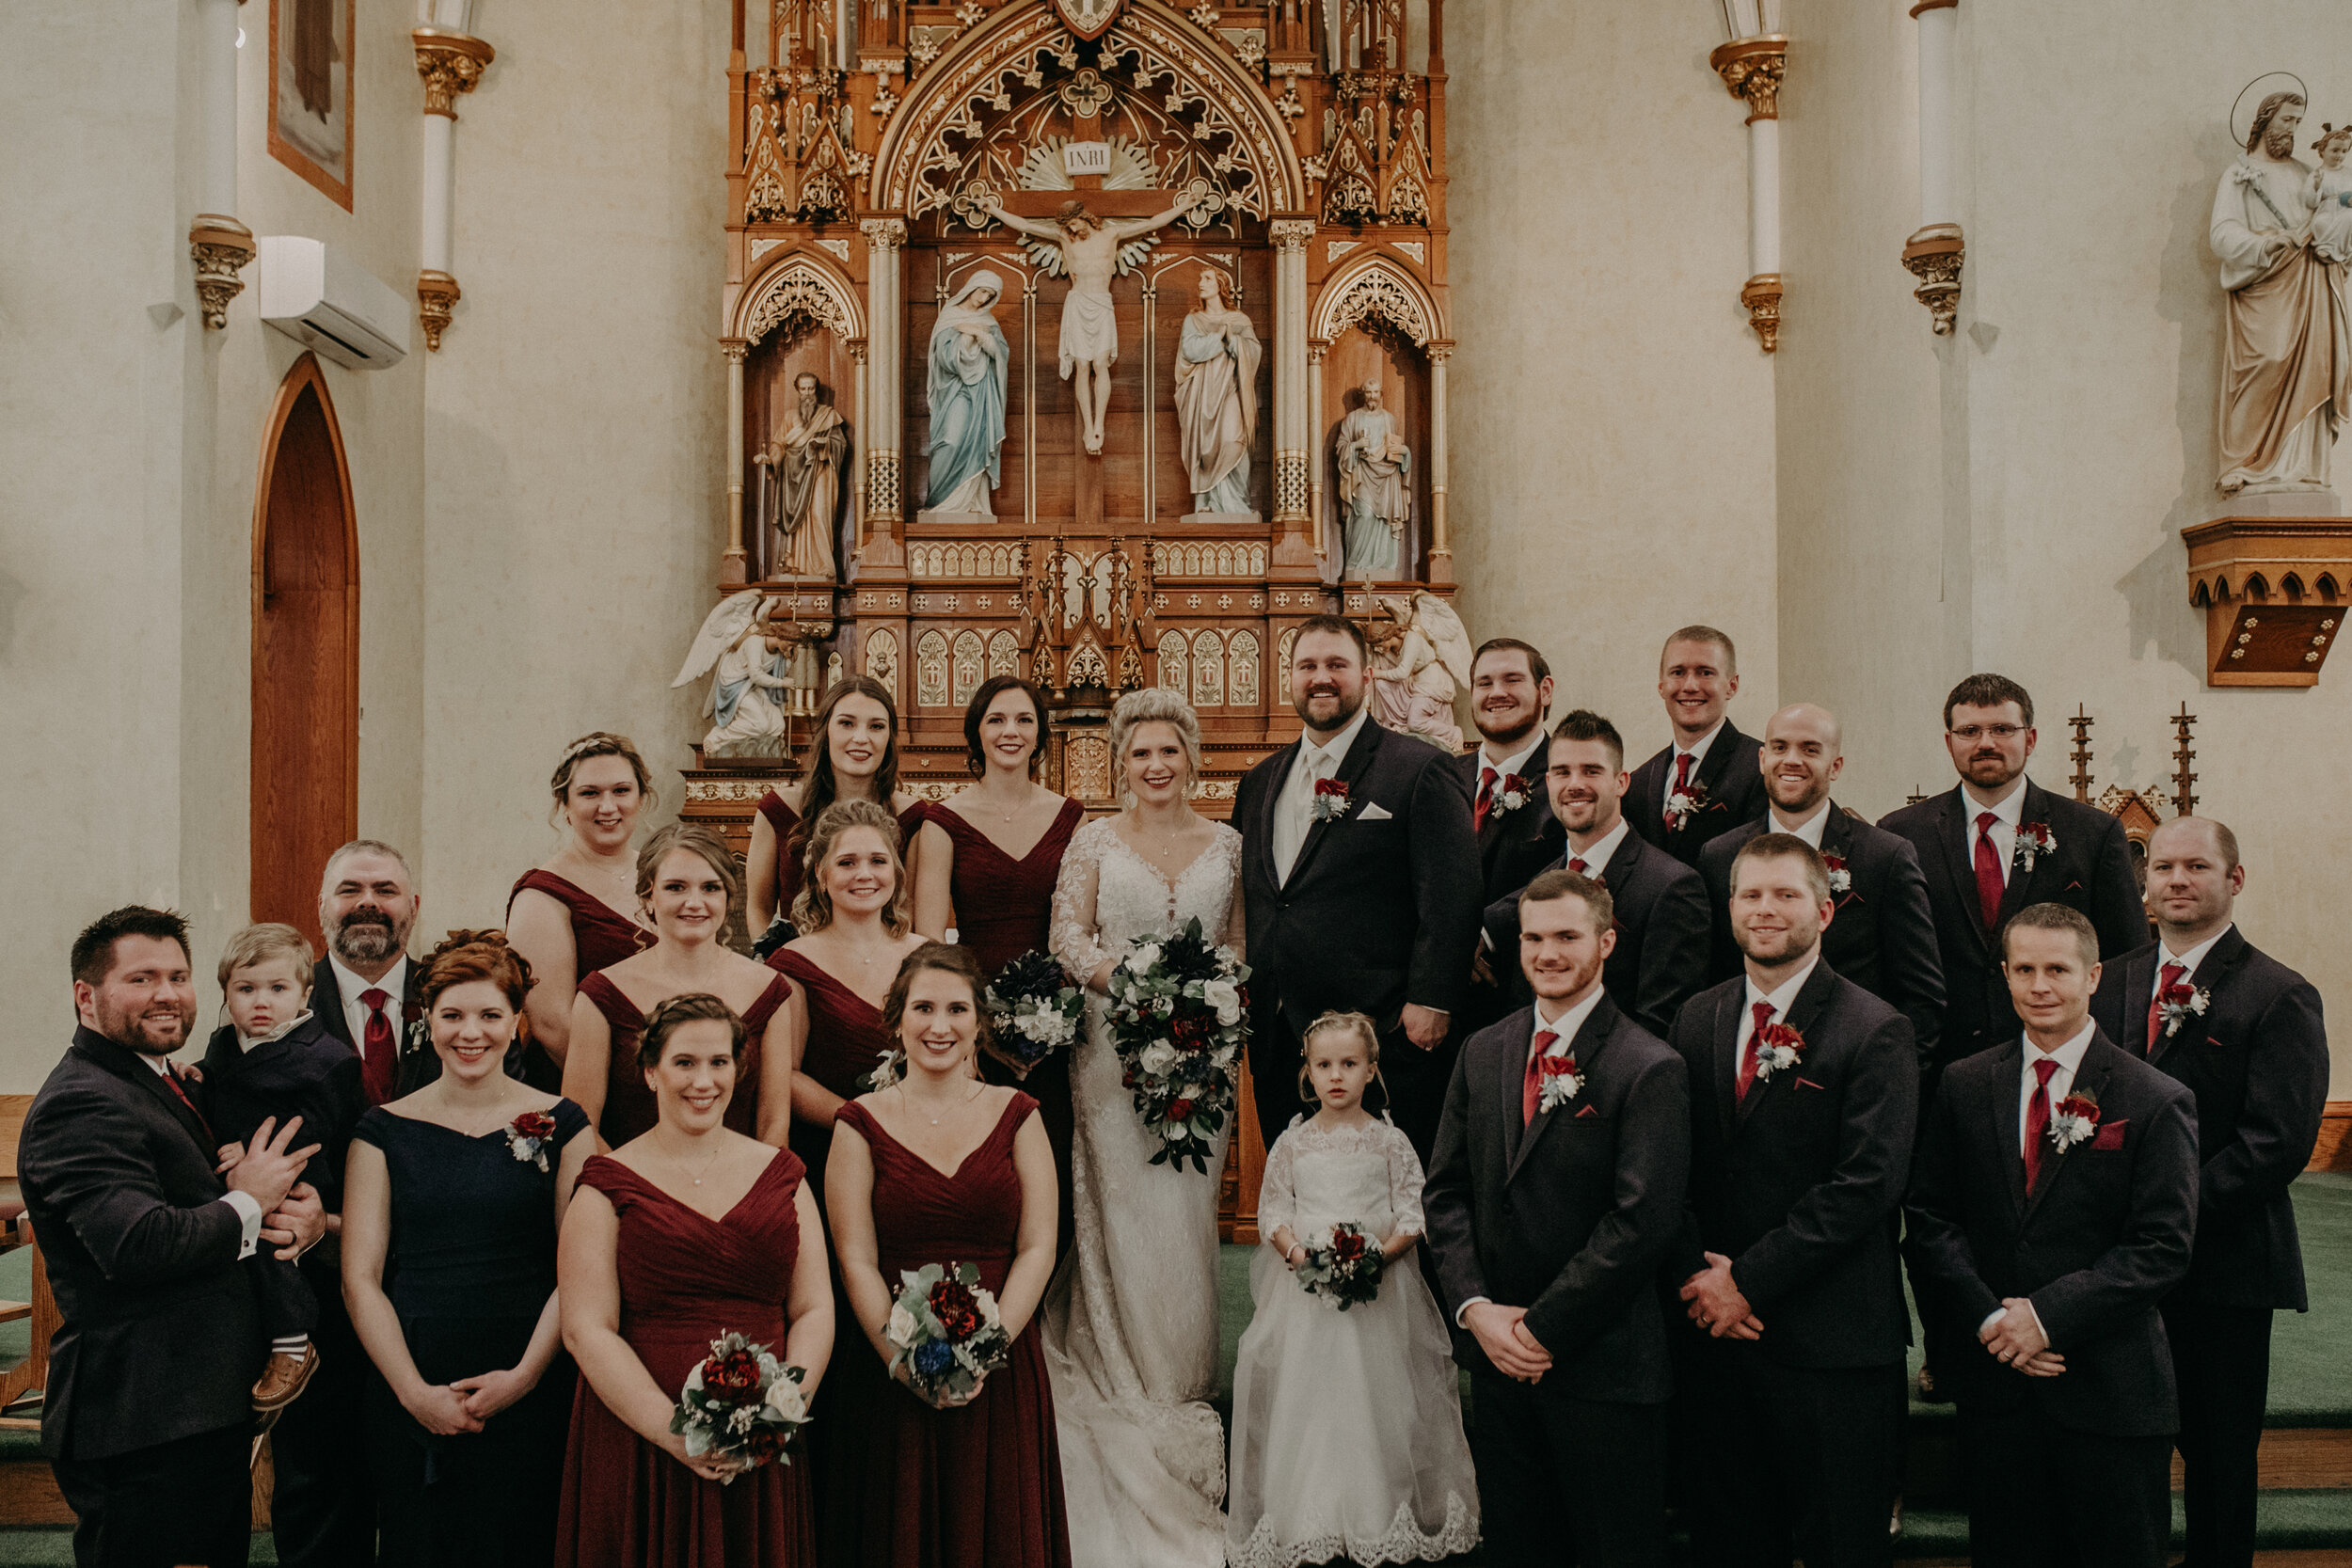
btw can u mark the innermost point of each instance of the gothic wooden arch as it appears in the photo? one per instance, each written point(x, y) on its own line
point(1378, 285)
point(971, 77)
point(800, 283)
point(304, 789)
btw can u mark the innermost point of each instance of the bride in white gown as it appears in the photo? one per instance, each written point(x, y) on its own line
point(1131, 1331)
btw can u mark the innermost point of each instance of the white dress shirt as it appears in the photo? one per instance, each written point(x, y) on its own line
point(1293, 809)
point(2006, 811)
point(2070, 1061)
point(1781, 997)
point(2189, 960)
point(1696, 752)
point(395, 988)
point(1597, 855)
point(1810, 830)
point(1508, 765)
point(244, 1205)
point(246, 1042)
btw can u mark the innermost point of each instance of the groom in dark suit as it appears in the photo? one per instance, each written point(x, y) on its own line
point(148, 1416)
point(1518, 835)
point(2051, 1212)
point(2244, 1033)
point(1556, 1190)
point(1360, 874)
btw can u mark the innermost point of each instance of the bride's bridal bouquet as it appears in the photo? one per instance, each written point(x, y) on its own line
point(741, 1403)
point(1346, 1270)
point(943, 1331)
point(1034, 1009)
point(1176, 1020)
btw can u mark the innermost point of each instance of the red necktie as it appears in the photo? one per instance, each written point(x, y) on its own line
point(377, 1072)
point(1485, 799)
point(1681, 785)
point(1989, 886)
point(1576, 864)
point(171, 1081)
point(1749, 1057)
point(1533, 1089)
point(2038, 1121)
point(2164, 982)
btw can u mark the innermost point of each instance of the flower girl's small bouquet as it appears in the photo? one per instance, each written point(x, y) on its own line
point(741, 1403)
point(1346, 1270)
point(944, 1331)
point(1034, 1009)
point(1177, 1021)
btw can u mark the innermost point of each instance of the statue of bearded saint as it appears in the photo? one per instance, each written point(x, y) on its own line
point(1375, 496)
point(800, 486)
point(2286, 367)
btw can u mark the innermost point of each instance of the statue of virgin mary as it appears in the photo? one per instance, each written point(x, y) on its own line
point(968, 363)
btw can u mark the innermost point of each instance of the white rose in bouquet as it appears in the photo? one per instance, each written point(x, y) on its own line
point(900, 1330)
point(1157, 1057)
point(1145, 956)
point(786, 1400)
point(1225, 997)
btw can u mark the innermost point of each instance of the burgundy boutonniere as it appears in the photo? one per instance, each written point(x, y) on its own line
point(2179, 1001)
point(1561, 1081)
point(1840, 879)
point(1683, 804)
point(2074, 1120)
point(1513, 793)
point(528, 1137)
point(1330, 800)
point(2034, 840)
point(1777, 1046)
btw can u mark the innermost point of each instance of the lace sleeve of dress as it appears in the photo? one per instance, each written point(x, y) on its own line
point(1278, 1200)
point(1404, 1182)
point(1236, 935)
point(1075, 935)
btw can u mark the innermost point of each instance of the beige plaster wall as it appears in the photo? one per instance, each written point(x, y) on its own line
point(1612, 446)
point(575, 422)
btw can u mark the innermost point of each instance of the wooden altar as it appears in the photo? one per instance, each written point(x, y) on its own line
point(867, 141)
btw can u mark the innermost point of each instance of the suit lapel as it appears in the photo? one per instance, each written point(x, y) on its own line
point(1510, 1068)
point(2092, 1081)
point(1277, 782)
point(2137, 983)
point(2213, 971)
point(1802, 1013)
point(1352, 768)
point(2021, 890)
point(1726, 1063)
point(326, 999)
point(1591, 1038)
point(125, 1062)
point(1959, 836)
point(1712, 766)
point(2007, 1135)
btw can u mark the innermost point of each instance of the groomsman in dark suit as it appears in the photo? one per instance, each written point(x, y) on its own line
point(1659, 957)
point(2051, 1210)
point(365, 989)
point(1518, 835)
point(1706, 781)
point(149, 1416)
point(1884, 935)
point(2243, 1032)
point(1360, 879)
point(1556, 1190)
point(1803, 1102)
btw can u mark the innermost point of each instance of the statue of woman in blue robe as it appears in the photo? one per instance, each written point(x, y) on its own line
point(968, 362)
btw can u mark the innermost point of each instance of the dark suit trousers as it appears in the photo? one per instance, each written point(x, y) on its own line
point(323, 1513)
point(1557, 1472)
point(187, 1501)
point(1790, 1460)
point(2222, 1360)
point(2041, 1496)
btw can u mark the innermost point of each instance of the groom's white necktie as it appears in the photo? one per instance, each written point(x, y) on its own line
point(1299, 814)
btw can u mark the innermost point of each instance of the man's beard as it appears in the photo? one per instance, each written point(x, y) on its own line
point(808, 410)
point(140, 1033)
point(2279, 144)
point(1505, 738)
point(1348, 708)
point(366, 936)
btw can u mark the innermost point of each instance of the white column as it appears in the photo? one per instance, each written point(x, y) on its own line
point(1440, 541)
point(1763, 197)
point(1751, 68)
point(440, 189)
point(1290, 237)
point(885, 331)
point(733, 567)
point(1316, 349)
point(217, 243)
point(449, 61)
point(1938, 200)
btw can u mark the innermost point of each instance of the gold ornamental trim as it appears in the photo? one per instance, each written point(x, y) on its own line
point(450, 63)
point(436, 292)
point(220, 246)
point(1934, 256)
point(1751, 69)
point(1761, 296)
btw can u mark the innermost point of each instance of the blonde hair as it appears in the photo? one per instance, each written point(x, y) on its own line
point(813, 910)
point(1153, 705)
point(697, 840)
point(1355, 1023)
point(258, 944)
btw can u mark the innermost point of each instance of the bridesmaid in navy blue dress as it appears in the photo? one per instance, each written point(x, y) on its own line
point(451, 1206)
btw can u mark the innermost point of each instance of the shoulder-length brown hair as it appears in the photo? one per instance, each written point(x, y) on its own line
point(823, 789)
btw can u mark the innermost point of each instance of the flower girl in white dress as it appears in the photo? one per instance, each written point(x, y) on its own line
point(1347, 1421)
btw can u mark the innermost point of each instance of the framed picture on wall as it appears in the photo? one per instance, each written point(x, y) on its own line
point(309, 98)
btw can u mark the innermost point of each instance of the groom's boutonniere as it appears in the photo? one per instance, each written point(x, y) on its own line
point(1561, 1081)
point(1513, 793)
point(1330, 800)
point(2034, 840)
point(1777, 1046)
point(1840, 879)
point(2179, 1001)
point(1683, 804)
point(2074, 1120)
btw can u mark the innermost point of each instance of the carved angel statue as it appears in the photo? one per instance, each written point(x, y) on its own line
point(1420, 658)
point(748, 678)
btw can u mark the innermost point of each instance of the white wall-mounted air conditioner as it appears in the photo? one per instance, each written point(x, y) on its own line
point(325, 301)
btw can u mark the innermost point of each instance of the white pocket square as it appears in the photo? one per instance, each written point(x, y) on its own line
point(1372, 812)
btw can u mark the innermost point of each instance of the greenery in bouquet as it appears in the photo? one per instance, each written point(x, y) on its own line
point(741, 1402)
point(1346, 1270)
point(943, 1331)
point(1179, 1018)
point(1033, 1009)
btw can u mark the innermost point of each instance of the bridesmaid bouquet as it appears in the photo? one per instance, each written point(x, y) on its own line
point(740, 1404)
point(1346, 1270)
point(1176, 1020)
point(1035, 1009)
point(945, 1331)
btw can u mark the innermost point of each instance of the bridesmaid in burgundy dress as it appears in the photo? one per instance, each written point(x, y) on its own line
point(934, 1169)
point(998, 901)
point(685, 1233)
point(573, 916)
point(687, 877)
point(858, 760)
point(853, 923)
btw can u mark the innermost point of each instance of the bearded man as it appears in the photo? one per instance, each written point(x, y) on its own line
point(800, 484)
point(364, 990)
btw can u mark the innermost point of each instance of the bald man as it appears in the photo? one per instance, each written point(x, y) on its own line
point(2244, 1033)
point(1882, 931)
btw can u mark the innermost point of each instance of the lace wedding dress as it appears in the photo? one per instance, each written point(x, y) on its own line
point(1129, 1325)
